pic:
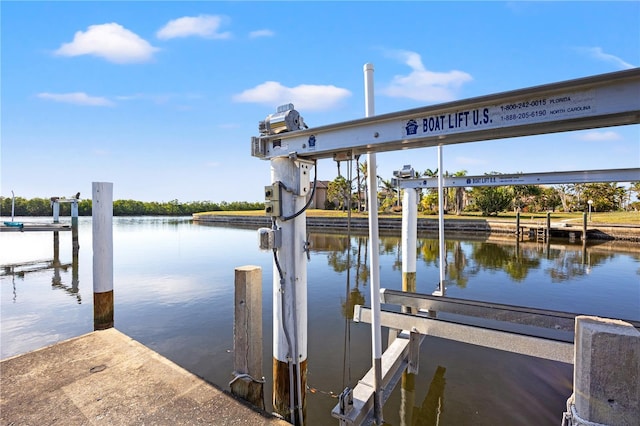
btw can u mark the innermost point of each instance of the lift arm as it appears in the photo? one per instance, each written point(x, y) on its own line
point(546, 178)
point(604, 100)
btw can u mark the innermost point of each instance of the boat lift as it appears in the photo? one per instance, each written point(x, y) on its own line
point(605, 100)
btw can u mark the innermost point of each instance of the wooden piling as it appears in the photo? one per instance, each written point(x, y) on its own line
point(74, 213)
point(103, 310)
point(102, 230)
point(56, 211)
point(284, 382)
point(248, 380)
point(56, 280)
point(584, 227)
point(547, 233)
point(75, 247)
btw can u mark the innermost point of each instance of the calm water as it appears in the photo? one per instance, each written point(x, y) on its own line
point(174, 293)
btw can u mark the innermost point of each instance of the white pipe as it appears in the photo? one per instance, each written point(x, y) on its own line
point(13, 205)
point(102, 229)
point(441, 223)
point(409, 230)
point(290, 298)
point(374, 255)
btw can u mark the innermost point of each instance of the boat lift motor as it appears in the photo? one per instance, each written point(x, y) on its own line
point(286, 119)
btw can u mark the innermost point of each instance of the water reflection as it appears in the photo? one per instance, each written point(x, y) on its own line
point(54, 265)
point(174, 284)
point(428, 414)
point(492, 271)
point(468, 258)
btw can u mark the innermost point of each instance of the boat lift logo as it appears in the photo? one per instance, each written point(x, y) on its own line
point(411, 128)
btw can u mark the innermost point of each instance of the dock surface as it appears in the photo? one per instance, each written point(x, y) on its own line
point(107, 378)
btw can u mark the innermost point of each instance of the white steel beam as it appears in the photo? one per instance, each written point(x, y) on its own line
point(604, 100)
point(546, 178)
point(488, 338)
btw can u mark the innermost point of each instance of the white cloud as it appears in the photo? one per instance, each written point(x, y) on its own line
point(77, 98)
point(422, 84)
point(205, 26)
point(160, 98)
point(601, 136)
point(112, 42)
point(599, 54)
point(261, 33)
point(306, 97)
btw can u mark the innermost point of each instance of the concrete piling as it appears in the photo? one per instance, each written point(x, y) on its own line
point(606, 378)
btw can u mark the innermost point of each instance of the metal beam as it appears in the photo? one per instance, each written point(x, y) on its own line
point(547, 178)
point(604, 100)
point(495, 339)
point(394, 361)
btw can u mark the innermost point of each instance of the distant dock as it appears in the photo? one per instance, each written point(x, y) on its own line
point(105, 377)
point(36, 227)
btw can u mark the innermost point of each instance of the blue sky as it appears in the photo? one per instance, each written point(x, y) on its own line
point(162, 98)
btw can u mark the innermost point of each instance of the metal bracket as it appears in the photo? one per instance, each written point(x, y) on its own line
point(345, 400)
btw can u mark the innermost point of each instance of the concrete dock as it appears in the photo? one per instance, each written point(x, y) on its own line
point(107, 378)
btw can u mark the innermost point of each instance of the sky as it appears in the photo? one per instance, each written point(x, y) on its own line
point(162, 98)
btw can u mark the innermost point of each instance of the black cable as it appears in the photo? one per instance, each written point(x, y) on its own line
point(313, 191)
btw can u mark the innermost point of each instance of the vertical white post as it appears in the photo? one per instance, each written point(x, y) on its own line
point(102, 230)
point(374, 255)
point(409, 238)
point(290, 297)
point(74, 213)
point(441, 249)
point(56, 211)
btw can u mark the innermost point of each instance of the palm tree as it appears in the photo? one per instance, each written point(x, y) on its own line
point(364, 170)
point(388, 190)
point(459, 194)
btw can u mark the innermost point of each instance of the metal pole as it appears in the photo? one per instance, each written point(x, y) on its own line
point(290, 298)
point(409, 238)
point(102, 228)
point(441, 246)
point(374, 255)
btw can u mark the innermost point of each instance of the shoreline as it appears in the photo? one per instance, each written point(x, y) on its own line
point(392, 225)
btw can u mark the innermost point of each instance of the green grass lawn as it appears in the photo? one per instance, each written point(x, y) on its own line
point(631, 218)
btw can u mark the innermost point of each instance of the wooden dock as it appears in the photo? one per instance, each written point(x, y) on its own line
point(107, 378)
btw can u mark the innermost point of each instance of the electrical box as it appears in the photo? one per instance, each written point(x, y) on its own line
point(269, 239)
point(273, 200)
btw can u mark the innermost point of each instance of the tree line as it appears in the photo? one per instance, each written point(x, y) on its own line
point(43, 207)
point(488, 200)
